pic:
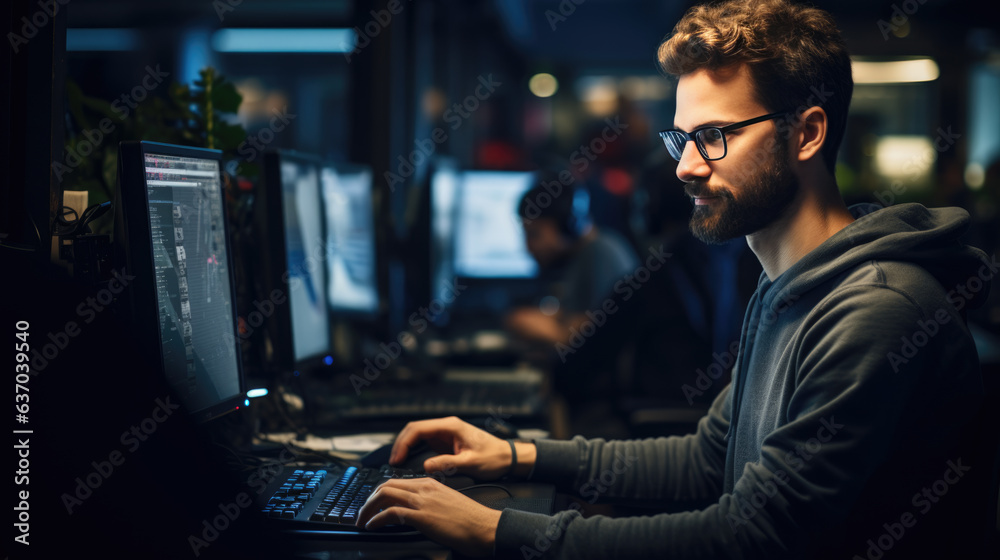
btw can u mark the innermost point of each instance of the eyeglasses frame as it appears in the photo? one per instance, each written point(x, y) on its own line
point(690, 136)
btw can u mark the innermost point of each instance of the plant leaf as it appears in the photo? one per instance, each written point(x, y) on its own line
point(225, 97)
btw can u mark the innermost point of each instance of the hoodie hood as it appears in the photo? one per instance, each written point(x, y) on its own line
point(910, 232)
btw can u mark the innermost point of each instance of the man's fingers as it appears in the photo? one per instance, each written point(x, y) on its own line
point(401, 446)
point(446, 464)
point(415, 432)
point(389, 494)
point(396, 515)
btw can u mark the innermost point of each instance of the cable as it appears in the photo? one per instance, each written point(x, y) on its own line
point(38, 234)
point(16, 247)
point(80, 225)
point(94, 212)
point(62, 217)
point(231, 452)
point(63, 227)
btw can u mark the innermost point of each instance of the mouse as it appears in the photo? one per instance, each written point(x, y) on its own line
point(415, 462)
point(414, 459)
point(378, 457)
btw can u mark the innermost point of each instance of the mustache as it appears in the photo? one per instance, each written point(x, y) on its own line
point(698, 189)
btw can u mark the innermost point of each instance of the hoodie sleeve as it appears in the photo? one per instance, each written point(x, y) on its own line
point(846, 405)
point(677, 468)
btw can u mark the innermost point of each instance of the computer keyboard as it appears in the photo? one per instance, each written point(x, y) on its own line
point(325, 501)
point(330, 499)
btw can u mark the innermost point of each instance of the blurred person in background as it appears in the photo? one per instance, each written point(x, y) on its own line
point(561, 237)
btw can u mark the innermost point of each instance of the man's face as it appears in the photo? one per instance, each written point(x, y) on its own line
point(754, 183)
point(545, 243)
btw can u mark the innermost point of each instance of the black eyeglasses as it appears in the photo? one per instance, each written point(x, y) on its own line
point(711, 140)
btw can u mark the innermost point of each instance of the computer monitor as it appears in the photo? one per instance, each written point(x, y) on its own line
point(352, 286)
point(291, 228)
point(488, 238)
point(444, 183)
point(170, 237)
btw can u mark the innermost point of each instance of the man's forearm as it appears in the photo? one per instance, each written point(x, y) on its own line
point(534, 325)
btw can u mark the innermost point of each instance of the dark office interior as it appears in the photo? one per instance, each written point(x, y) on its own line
point(360, 255)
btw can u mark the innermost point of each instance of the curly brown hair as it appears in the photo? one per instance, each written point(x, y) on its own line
point(795, 54)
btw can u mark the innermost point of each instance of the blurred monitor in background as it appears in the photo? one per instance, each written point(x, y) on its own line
point(488, 240)
point(290, 225)
point(303, 227)
point(444, 182)
point(352, 286)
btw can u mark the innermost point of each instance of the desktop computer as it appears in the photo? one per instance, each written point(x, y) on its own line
point(352, 286)
point(294, 249)
point(443, 214)
point(489, 254)
point(465, 230)
point(488, 239)
point(429, 243)
point(352, 271)
point(171, 236)
point(477, 243)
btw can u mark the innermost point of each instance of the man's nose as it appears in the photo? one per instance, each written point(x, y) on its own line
point(692, 165)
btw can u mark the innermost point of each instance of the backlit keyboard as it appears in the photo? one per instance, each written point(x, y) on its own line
point(331, 497)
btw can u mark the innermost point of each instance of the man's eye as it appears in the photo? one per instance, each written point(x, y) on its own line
point(711, 135)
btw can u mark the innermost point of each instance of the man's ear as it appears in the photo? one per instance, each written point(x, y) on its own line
point(810, 133)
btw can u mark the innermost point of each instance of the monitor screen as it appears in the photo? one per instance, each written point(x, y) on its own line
point(302, 219)
point(443, 192)
point(352, 285)
point(489, 241)
point(194, 291)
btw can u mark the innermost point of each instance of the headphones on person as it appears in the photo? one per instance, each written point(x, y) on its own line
point(577, 221)
point(570, 208)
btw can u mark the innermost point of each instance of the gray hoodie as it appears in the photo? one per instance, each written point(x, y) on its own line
point(844, 432)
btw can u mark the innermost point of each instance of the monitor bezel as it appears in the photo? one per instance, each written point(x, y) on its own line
point(134, 245)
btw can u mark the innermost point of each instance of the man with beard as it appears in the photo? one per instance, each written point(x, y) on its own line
point(846, 431)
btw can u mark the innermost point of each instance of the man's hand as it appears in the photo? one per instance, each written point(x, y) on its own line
point(532, 324)
point(466, 449)
point(445, 515)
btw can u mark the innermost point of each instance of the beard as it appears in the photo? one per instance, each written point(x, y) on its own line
point(764, 197)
